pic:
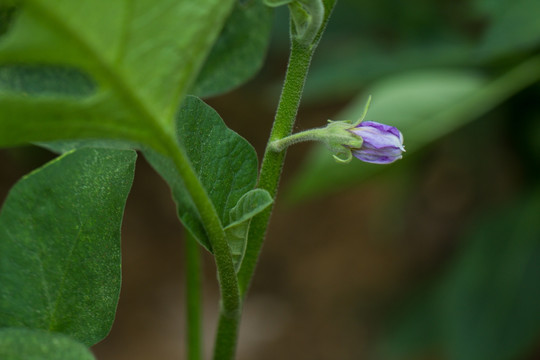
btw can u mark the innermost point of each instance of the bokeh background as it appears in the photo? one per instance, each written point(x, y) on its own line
point(434, 257)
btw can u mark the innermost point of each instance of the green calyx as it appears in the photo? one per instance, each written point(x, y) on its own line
point(336, 136)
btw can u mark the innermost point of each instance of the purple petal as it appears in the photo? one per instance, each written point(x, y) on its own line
point(382, 144)
point(376, 157)
point(379, 135)
point(381, 127)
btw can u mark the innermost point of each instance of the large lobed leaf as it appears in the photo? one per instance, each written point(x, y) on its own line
point(60, 244)
point(143, 55)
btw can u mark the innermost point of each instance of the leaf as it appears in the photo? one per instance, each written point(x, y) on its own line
point(421, 104)
point(485, 307)
point(60, 244)
point(239, 51)
point(142, 55)
point(61, 147)
point(45, 81)
point(225, 163)
point(26, 344)
point(249, 205)
point(514, 26)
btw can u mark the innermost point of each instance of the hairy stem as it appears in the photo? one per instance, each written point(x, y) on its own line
point(193, 298)
point(227, 335)
point(272, 163)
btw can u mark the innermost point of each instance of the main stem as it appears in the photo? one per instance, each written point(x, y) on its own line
point(193, 298)
point(272, 163)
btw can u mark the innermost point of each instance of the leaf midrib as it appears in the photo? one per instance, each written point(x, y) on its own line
point(119, 84)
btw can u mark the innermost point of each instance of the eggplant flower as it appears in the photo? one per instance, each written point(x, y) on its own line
point(382, 144)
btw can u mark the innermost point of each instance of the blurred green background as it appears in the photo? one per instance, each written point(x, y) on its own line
point(434, 257)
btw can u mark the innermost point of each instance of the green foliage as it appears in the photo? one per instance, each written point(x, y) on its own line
point(131, 50)
point(102, 74)
point(513, 27)
point(239, 51)
point(96, 75)
point(60, 244)
point(485, 306)
point(225, 163)
point(26, 344)
point(249, 205)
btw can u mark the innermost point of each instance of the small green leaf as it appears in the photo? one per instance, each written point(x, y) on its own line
point(239, 51)
point(27, 344)
point(60, 244)
point(249, 205)
point(141, 55)
point(225, 163)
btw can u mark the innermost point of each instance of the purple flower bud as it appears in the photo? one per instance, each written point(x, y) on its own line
point(382, 144)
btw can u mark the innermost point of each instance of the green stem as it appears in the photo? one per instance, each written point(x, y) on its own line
point(308, 135)
point(193, 298)
point(272, 163)
point(228, 283)
point(226, 336)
